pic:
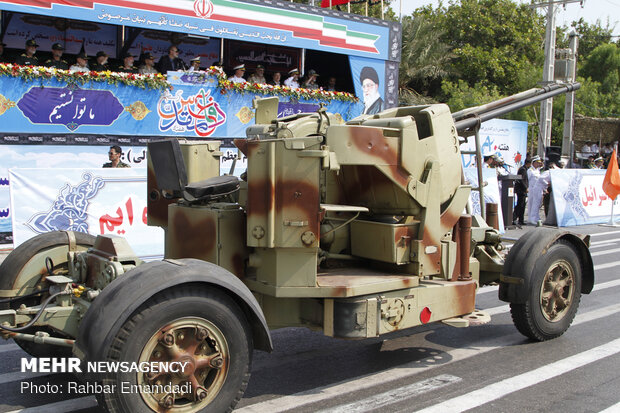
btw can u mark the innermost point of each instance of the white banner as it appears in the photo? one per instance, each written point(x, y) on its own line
point(491, 192)
point(96, 201)
point(579, 197)
point(507, 138)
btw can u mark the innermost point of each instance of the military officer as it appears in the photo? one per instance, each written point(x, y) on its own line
point(57, 61)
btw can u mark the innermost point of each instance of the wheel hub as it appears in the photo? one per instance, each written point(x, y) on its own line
point(557, 291)
point(201, 351)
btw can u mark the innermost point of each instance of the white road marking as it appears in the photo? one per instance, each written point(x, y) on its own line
point(395, 395)
point(611, 251)
point(81, 403)
point(9, 347)
point(607, 244)
point(607, 265)
point(284, 403)
point(498, 390)
point(605, 241)
point(612, 409)
point(617, 232)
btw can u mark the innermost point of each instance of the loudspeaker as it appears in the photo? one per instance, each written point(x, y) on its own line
point(553, 153)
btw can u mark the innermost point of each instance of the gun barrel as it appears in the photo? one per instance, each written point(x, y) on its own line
point(467, 118)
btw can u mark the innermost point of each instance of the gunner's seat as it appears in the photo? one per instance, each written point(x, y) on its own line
point(171, 175)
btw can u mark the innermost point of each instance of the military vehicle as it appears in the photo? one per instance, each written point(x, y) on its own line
point(355, 229)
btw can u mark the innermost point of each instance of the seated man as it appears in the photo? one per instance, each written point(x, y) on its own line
point(127, 65)
point(57, 61)
point(81, 64)
point(238, 76)
point(258, 76)
point(28, 58)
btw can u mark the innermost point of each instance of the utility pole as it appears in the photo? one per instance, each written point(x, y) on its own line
point(569, 107)
point(546, 107)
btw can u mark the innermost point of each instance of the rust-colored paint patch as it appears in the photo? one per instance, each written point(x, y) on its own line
point(372, 142)
point(466, 301)
point(252, 146)
point(242, 145)
point(238, 265)
point(260, 197)
point(449, 219)
point(302, 196)
point(192, 239)
point(403, 236)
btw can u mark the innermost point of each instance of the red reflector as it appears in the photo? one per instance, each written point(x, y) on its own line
point(425, 315)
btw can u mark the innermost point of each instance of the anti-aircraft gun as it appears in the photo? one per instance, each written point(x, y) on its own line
point(355, 229)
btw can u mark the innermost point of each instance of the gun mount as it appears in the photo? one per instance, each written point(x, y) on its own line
point(354, 229)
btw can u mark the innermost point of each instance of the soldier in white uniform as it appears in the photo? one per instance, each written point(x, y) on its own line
point(238, 76)
point(538, 182)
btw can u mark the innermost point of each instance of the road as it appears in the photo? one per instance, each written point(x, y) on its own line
point(491, 368)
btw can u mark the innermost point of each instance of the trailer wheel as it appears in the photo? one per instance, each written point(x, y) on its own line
point(25, 267)
point(206, 330)
point(553, 296)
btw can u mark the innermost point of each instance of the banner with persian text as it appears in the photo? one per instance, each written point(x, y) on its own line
point(194, 107)
point(507, 138)
point(95, 201)
point(579, 198)
point(276, 23)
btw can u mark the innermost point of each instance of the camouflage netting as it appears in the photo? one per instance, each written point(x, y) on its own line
point(599, 130)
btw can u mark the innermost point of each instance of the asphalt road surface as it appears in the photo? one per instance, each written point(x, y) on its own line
point(491, 368)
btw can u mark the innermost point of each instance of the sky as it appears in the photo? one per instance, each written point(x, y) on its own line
point(591, 11)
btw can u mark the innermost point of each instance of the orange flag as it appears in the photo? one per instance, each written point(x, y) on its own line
point(611, 183)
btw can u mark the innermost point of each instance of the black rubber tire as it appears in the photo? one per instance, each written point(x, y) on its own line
point(12, 266)
point(163, 309)
point(528, 317)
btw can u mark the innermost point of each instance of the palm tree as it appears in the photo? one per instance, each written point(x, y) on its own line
point(425, 59)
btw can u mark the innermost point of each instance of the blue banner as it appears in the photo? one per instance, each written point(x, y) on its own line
point(194, 107)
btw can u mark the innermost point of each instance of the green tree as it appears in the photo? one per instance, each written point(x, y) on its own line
point(603, 65)
point(425, 59)
point(359, 7)
point(495, 42)
point(591, 35)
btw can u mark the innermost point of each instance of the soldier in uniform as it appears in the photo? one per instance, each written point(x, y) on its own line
point(81, 64)
point(28, 58)
point(293, 80)
point(238, 76)
point(258, 76)
point(101, 63)
point(57, 61)
point(115, 158)
point(194, 64)
point(149, 65)
point(310, 82)
point(127, 65)
point(520, 189)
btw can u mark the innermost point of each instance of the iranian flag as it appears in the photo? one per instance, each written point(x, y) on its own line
point(328, 3)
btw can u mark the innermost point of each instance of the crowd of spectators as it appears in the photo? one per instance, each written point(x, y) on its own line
point(145, 64)
point(593, 156)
